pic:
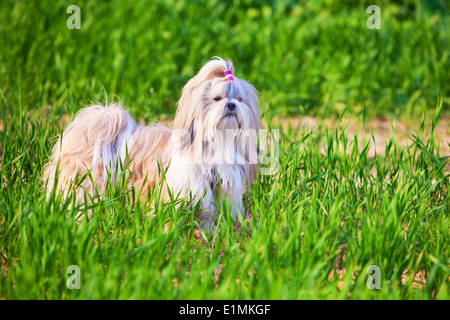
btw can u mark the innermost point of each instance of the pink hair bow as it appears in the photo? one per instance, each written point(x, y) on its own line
point(228, 72)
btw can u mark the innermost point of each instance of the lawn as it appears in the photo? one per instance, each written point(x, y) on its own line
point(342, 198)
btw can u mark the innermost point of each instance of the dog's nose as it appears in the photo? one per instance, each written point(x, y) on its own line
point(230, 106)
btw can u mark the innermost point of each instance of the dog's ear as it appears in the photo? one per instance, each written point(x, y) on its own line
point(191, 95)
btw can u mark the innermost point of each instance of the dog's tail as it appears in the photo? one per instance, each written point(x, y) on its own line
point(95, 140)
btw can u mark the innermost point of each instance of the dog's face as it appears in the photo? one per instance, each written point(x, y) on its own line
point(213, 100)
point(229, 104)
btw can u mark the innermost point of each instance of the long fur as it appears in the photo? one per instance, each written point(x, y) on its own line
point(207, 150)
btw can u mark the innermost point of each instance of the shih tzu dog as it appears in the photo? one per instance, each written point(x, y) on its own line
point(209, 154)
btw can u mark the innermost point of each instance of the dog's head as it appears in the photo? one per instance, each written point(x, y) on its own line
point(218, 100)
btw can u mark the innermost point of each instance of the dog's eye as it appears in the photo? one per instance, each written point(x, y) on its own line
point(240, 99)
point(218, 98)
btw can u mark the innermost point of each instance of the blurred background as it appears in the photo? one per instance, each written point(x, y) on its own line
point(312, 58)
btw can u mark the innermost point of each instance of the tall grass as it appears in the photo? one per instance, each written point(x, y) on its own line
point(311, 231)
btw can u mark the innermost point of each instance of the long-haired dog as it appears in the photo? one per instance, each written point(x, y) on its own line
point(210, 150)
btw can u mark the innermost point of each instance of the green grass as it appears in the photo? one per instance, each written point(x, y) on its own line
point(325, 201)
point(328, 199)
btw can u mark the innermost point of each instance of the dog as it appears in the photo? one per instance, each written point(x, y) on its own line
point(209, 154)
